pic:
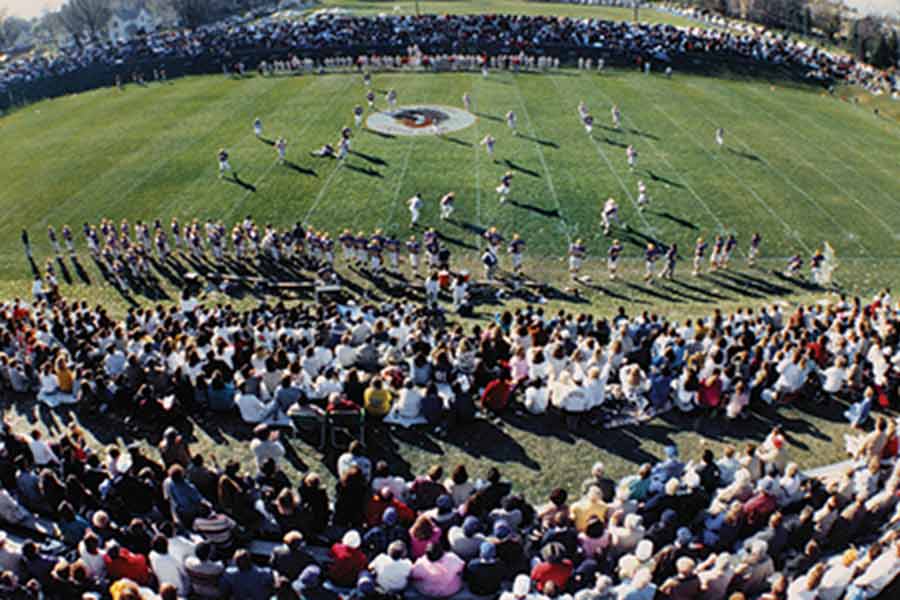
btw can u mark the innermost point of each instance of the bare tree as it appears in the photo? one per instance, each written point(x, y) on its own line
point(90, 16)
point(191, 13)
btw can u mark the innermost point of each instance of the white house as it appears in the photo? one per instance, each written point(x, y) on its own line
point(125, 22)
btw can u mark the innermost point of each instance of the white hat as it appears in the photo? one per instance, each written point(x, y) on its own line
point(521, 586)
point(644, 550)
point(351, 539)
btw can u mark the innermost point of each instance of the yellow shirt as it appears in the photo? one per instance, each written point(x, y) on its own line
point(65, 379)
point(378, 402)
point(584, 509)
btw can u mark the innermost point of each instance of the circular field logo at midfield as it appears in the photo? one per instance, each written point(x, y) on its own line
point(423, 119)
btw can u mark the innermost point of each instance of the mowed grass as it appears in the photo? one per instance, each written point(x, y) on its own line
point(799, 166)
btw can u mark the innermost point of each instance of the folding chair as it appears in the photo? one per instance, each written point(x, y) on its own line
point(310, 418)
point(347, 421)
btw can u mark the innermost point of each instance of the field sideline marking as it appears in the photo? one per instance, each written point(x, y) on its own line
point(678, 172)
point(844, 163)
point(810, 200)
point(791, 232)
point(609, 164)
point(322, 191)
point(540, 153)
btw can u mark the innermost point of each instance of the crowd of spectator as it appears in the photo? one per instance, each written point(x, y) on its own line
point(748, 522)
point(440, 34)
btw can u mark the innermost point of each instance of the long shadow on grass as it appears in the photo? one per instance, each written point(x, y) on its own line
point(654, 177)
point(489, 117)
point(517, 167)
point(455, 140)
point(644, 134)
point(760, 285)
point(364, 170)
point(238, 181)
point(299, 169)
point(746, 155)
point(717, 278)
point(551, 214)
point(674, 219)
point(700, 290)
point(381, 134)
point(375, 160)
point(610, 292)
point(470, 227)
point(649, 291)
point(611, 142)
point(455, 241)
point(80, 271)
point(67, 277)
point(537, 140)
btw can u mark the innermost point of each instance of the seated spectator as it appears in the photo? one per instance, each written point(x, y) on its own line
point(203, 572)
point(347, 560)
point(437, 574)
point(246, 581)
point(392, 569)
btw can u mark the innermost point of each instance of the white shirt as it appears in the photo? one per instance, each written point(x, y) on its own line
point(42, 452)
point(169, 570)
point(880, 573)
point(391, 575)
point(834, 379)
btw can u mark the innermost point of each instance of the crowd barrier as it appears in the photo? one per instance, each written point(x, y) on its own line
point(104, 75)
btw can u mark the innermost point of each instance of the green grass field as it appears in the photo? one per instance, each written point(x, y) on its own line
point(800, 167)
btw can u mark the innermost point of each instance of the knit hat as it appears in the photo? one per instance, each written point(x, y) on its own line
point(389, 517)
point(487, 551)
point(471, 525)
point(365, 585)
point(501, 529)
point(444, 503)
point(684, 536)
point(310, 577)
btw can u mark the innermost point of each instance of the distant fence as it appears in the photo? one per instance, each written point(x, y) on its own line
point(104, 75)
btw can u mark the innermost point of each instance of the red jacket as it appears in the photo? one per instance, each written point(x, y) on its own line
point(558, 573)
point(377, 505)
point(347, 565)
point(496, 395)
point(128, 565)
point(758, 509)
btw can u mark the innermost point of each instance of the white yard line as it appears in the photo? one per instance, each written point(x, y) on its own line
point(791, 232)
point(396, 194)
point(847, 165)
point(890, 230)
point(681, 177)
point(810, 200)
point(612, 169)
point(540, 153)
point(862, 154)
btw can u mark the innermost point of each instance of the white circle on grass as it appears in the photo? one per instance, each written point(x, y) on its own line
point(420, 119)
